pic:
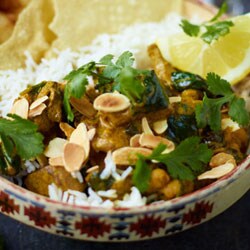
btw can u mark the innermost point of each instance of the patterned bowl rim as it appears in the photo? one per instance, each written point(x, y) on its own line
point(218, 185)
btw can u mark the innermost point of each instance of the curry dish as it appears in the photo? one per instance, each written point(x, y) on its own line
point(164, 131)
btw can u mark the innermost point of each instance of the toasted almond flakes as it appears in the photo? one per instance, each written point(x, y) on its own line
point(217, 172)
point(173, 99)
point(92, 169)
point(134, 141)
point(66, 128)
point(80, 136)
point(145, 126)
point(56, 161)
point(73, 157)
point(151, 141)
point(111, 102)
point(21, 108)
point(129, 155)
point(39, 101)
point(91, 133)
point(37, 110)
point(160, 126)
point(55, 147)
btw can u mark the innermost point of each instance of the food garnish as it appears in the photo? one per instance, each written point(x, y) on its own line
point(19, 141)
point(118, 128)
point(221, 56)
point(210, 30)
point(184, 163)
point(209, 111)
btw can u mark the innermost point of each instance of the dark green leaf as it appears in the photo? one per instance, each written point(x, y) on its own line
point(141, 174)
point(189, 28)
point(186, 80)
point(180, 127)
point(155, 94)
point(187, 160)
point(76, 85)
point(238, 112)
point(28, 142)
point(214, 31)
point(217, 85)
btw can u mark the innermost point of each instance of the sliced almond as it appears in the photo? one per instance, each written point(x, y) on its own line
point(173, 99)
point(160, 126)
point(84, 106)
point(37, 110)
point(80, 136)
point(220, 159)
point(56, 161)
point(111, 102)
point(217, 172)
point(39, 101)
point(129, 155)
point(66, 128)
point(151, 141)
point(73, 157)
point(92, 169)
point(134, 141)
point(145, 126)
point(21, 108)
point(91, 133)
point(55, 147)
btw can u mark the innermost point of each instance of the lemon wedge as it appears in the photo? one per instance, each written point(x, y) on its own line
point(229, 56)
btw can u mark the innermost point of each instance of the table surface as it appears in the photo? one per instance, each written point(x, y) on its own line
point(230, 230)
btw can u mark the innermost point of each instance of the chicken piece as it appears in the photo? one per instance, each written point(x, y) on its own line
point(162, 68)
point(52, 114)
point(107, 139)
point(39, 180)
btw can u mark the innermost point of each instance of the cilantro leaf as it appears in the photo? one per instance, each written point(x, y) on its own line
point(189, 28)
point(217, 85)
point(213, 29)
point(77, 80)
point(125, 60)
point(238, 112)
point(138, 85)
point(209, 111)
point(19, 138)
point(216, 30)
point(223, 9)
point(186, 162)
point(141, 174)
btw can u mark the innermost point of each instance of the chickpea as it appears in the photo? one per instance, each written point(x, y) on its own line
point(159, 179)
point(172, 189)
point(220, 159)
point(191, 94)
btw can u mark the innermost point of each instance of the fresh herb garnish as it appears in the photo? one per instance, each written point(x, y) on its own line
point(126, 79)
point(19, 140)
point(211, 30)
point(209, 111)
point(77, 80)
point(186, 162)
point(140, 86)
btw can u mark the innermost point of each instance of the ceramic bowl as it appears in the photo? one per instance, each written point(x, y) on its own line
point(147, 222)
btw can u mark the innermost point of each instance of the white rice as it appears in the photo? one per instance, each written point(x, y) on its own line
point(135, 38)
point(95, 199)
